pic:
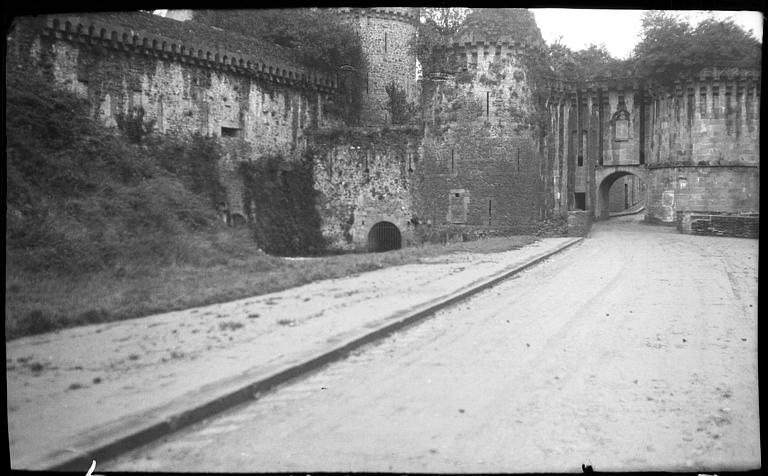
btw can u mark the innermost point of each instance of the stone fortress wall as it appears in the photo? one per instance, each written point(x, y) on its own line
point(365, 177)
point(695, 145)
point(496, 151)
point(189, 78)
point(704, 146)
point(482, 158)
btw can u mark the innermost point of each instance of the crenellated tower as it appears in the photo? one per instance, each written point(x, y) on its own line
point(386, 34)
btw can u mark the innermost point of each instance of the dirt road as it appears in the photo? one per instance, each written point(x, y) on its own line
point(635, 350)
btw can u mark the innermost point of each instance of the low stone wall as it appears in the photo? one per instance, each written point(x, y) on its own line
point(745, 225)
point(579, 222)
point(458, 233)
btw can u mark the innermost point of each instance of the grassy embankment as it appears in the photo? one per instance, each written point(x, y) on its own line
point(42, 302)
point(105, 224)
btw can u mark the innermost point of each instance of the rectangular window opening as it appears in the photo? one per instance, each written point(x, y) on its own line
point(580, 201)
point(230, 132)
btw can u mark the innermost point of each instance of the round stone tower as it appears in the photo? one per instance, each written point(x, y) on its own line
point(386, 35)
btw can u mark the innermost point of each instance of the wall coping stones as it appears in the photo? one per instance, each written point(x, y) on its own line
point(404, 14)
point(145, 33)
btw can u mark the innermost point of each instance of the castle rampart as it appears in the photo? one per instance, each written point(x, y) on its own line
point(698, 129)
point(483, 162)
point(497, 149)
point(188, 78)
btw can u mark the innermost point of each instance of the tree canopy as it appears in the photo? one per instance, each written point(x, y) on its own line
point(670, 46)
point(592, 62)
point(436, 28)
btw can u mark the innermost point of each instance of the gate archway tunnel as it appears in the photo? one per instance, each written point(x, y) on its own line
point(384, 236)
point(620, 192)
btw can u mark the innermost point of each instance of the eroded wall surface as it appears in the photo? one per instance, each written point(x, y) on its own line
point(387, 35)
point(704, 145)
point(482, 161)
point(189, 79)
point(493, 152)
point(363, 178)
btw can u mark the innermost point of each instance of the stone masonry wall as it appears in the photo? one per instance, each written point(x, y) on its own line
point(712, 118)
point(189, 80)
point(482, 162)
point(485, 158)
point(365, 178)
point(710, 122)
point(386, 35)
point(734, 189)
point(626, 191)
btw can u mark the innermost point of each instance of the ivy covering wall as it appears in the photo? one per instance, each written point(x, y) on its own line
point(279, 198)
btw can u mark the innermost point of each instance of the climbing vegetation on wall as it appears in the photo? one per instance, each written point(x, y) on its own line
point(194, 160)
point(318, 36)
point(280, 198)
point(400, 110)
point(134, 125)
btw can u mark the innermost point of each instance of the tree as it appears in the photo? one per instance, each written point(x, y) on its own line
point(437, 26)
point(670, 46)
point(592, 62)
point(446, 21)
point(318, 35)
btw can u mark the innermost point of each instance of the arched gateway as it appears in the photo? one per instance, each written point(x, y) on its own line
point(606, 177)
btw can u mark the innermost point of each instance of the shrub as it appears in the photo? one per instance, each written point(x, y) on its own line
point(133, 124)
point(83, 197)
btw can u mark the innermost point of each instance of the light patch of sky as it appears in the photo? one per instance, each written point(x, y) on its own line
point(619, 30)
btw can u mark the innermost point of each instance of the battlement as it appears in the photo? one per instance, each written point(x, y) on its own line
point(405, 14)
point(479, 41)
point(188, 43)
point(742, 78)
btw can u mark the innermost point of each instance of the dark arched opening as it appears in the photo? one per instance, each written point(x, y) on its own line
point(618, 193)
point(384, 236)
point(237, 220)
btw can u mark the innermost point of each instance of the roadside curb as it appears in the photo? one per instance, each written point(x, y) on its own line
point(102, 448)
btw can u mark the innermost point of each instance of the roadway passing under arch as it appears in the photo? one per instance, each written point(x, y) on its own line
point(605, 176)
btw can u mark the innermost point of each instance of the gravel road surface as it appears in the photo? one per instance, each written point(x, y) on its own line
point(635, 350)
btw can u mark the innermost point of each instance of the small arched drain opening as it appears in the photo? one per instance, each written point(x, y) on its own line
point(384, 236)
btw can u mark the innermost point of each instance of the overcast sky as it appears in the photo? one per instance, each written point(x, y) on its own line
point(619, 30)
